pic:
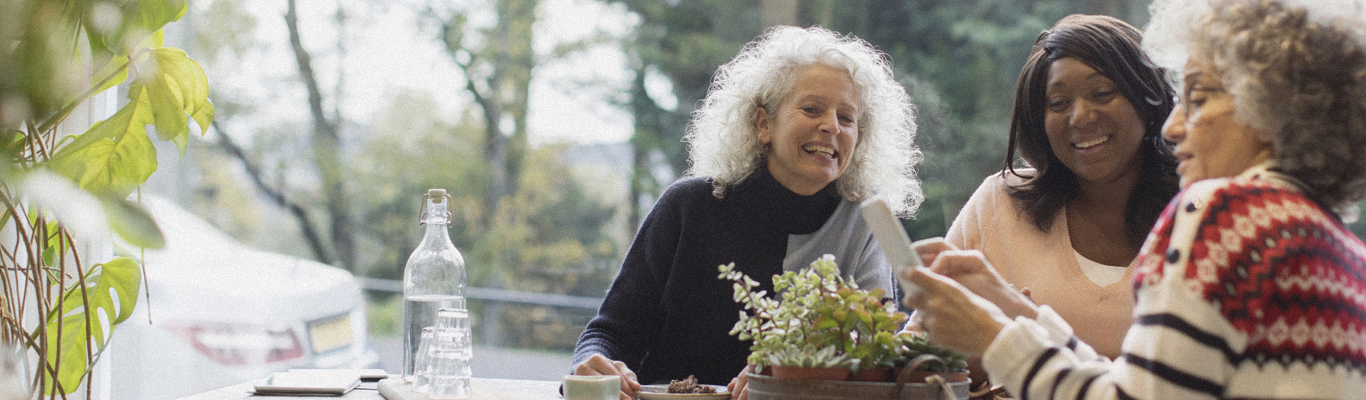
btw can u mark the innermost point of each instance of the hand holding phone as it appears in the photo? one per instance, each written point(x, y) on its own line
point(892, 238)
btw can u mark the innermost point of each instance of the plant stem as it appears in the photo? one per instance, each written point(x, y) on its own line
point(71, 106)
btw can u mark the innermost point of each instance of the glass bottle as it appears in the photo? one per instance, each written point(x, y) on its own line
point(434, 277)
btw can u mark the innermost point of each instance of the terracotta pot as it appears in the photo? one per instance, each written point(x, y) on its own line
point(829, 374)
point(880, 374)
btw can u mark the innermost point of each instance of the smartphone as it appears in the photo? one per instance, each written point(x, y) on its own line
point(892, 238)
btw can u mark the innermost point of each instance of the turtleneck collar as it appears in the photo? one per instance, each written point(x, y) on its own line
point(782, 209)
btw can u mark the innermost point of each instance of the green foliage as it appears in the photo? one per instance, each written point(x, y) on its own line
point(822, 320)
point(168, 89)
point(809, 356)
point(385, 317)
point(959, 60)
point(115, 155)
point(913, 345)
point(132, 223)
point(78, 333)
point(45, 74)
point(551, 236)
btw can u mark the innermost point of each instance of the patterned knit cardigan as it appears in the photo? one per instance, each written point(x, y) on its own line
point(1246, 288)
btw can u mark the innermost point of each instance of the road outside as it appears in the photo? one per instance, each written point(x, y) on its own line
point(489, 362)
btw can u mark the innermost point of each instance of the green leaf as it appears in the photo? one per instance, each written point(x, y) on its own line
point(151, 15)
point(133, 223)
point(111, 289)
point(864, 316)
point(152, 42)
point(115, 155)
point(98, 44)
point(179, 91)
point(113, 73)
point(54, 244)
point(142, 18)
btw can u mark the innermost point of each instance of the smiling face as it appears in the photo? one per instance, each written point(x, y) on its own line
point(1210, 143)
point(1091, 127)
point(812, 134)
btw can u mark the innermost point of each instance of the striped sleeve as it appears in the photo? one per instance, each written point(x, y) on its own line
point(1180, 346)
point(1181, 353)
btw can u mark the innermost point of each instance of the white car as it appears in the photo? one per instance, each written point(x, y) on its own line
point(222, 313)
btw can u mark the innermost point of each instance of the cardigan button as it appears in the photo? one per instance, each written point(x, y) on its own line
point(1173, 255)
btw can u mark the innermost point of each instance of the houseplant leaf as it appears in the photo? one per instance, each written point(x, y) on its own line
point(115, 155)
point(133, 223)
point(111, 289)
point(114, 72)
point(179, 90)
point(151, 15)
point(139, 18)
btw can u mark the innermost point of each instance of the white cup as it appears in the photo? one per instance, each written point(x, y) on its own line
point(592, 387)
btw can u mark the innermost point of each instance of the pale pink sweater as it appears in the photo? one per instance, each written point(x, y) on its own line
point(1045, 263)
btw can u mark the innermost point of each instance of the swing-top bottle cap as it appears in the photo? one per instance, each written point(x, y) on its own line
point(437, 195)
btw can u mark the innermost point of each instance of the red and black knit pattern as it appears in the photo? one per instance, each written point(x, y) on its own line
point(1150, 261)
point(1282, 270)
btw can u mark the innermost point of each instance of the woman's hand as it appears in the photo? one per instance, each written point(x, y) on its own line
point(970, 269)
point(601, 365)
point(952, 315)
point(736, 387)
point(929, 249)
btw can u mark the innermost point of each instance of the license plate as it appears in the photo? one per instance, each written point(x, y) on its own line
point(329, 334)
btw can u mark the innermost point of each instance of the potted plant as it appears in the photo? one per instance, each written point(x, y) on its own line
point(820, 320)
point(62, 293)
point(809, 362)
point(954, 366)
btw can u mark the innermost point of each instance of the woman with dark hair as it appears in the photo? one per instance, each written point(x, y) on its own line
point(1088, 116)
point(1250, 284)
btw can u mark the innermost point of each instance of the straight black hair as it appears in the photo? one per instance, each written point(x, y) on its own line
point(1112, 47)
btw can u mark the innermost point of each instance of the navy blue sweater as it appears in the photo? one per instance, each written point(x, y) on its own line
point(667, 315)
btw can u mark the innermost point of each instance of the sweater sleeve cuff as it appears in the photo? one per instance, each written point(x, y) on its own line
point(1014, 350)
point(1020, 343)
point(1059, 332)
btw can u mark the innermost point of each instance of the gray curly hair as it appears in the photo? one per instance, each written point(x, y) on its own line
point(725, 145)
point(1295, 68)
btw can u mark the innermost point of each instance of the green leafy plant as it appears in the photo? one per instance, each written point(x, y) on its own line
point(822, 320)
point(808, 356)
point(58, 55)
point(912, 345)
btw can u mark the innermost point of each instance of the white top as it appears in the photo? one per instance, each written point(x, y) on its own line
point(1044, 262)
point(1101, 274)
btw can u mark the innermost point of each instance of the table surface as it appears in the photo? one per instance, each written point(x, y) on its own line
point(481, 389)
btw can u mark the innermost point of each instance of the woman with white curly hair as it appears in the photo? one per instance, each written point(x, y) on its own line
point(1250, 285)
point(795, 131)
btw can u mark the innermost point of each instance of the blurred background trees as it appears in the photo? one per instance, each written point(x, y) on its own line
point(959, 60)
point(307, 158)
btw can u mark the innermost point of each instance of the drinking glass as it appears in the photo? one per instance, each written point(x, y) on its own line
point(449, 358)
point(422, 362)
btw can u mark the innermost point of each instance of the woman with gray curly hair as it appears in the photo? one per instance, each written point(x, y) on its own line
point(1250, 285)
point(795, 131)
point(727, 146)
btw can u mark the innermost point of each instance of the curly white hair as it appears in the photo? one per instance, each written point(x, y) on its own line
point(725, 145)
point(1295, 68)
